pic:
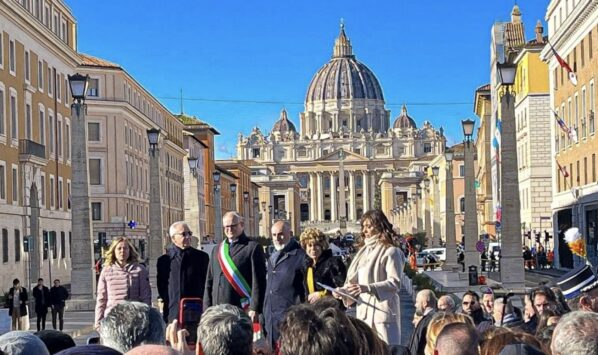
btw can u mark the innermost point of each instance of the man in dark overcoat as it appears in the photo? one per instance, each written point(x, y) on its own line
point(16, 302)
point(248, 259)
point(181, 271)
point(285, 286)
point(41, 294)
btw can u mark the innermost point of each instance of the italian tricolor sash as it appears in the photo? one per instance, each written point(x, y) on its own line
point(233, 275)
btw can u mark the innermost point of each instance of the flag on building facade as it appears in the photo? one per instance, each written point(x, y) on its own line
point(562, 169)
point(496, 139)
point(565, 66)
point(570, 132)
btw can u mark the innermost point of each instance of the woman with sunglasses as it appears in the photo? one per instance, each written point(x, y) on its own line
point(122, 278)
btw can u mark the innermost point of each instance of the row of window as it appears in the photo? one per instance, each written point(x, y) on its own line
point(50, 16)
point(572, 58)
point(50, 245)
point(48, 79)
point(578, 177)
point(578, 112)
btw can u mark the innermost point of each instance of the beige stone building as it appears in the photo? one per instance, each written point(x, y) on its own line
point(38, 44)
point(573, 31)
point(119, 113)
point(346, 154)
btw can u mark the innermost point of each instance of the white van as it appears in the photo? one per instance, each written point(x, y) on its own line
point(439, 253)
point(495, 248)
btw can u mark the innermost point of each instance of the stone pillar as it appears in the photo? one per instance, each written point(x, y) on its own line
point(352, 204)
point(450, 235)
point(436, 226)
point(472, 256)
point(320, 196)
point(83, 289)
point(313, 210)
point(366, 191)
point(511, 264)
point(427, 217)
point(373, 183)
point(333, 192)
point(342, 208)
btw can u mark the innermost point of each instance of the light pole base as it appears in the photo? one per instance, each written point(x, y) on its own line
point(81, 303)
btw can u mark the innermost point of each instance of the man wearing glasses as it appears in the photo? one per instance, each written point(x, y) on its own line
point(181, 271)
point(471, 306)
point(237, 270)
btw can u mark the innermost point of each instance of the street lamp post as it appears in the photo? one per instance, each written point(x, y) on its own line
point(155, 249)
point(451, 238)
point(471, 215)
point(418, 217)
point(233, 192)
point(217, 207)
point(427, 219)
point(511, 266)
point(436, 230)
point(246, 207)
point(256, 203)
point(82, 276)
point(270, 218)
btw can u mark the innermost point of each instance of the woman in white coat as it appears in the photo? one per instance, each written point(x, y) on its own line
point(374, 278)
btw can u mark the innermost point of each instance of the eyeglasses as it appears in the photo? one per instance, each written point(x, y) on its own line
point(232, 226)
point(185, 234)
point(469, 303)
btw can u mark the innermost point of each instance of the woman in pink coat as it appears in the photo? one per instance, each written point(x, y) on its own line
point(122, 278)
point(374, 278)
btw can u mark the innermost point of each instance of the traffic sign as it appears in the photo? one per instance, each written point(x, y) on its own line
point(480, 246)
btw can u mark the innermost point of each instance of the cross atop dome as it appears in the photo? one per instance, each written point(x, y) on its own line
point(342, 45)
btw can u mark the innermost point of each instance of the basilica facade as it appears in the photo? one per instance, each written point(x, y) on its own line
point(345, 158)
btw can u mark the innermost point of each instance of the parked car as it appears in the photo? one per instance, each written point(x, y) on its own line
point(495, 248)
point(439, 253)
point(424, 258)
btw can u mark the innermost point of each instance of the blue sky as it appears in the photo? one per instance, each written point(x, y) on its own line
point(224, 55)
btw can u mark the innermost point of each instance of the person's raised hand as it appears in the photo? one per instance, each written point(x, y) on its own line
point(176, 338)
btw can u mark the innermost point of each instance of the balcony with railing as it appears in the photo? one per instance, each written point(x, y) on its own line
point(32, 152)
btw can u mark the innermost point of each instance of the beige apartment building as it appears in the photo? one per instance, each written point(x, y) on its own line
point(38, 44)
point(573, 31)
point(119, 113)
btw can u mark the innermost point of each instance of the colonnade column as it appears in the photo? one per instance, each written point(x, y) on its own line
point(320, 196)
point(312, 197)
point(352, 205)
point(333, 216)
point(372, 192)
point(366, 191)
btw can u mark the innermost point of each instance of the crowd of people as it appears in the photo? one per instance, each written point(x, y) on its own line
point(295, 301)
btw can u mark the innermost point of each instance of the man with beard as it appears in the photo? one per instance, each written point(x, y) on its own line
point(285, 286)
point(425, 306)
point(488, 303)
point(237, 270)
point(471, 307)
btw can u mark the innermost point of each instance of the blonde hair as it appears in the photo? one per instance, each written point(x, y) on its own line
point(110, 258)
point(314, 235)
point(439, 321)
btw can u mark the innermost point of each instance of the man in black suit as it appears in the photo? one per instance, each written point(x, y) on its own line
point(181, 271)
point(58, 295)
point(285, 286)
point(41, 294)
point(425, 307)
point(247, 257)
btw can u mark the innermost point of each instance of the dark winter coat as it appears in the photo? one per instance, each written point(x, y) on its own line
point(23, 301)
point(41, 307)
point(417, 344)
point(181, 274)
point(284, 288)
point(329, 270)
point(249, 258)
point(58, 295)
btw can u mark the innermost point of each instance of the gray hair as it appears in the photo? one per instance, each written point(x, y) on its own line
point(575, 333)
point(173, 227)
point(237, 217)
point(458, 339)
point(450, 301)
point(225, 329)
point(429, 296)
point(130, 324)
